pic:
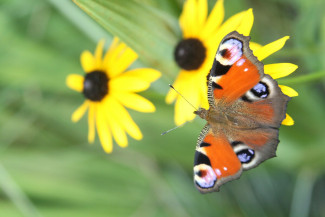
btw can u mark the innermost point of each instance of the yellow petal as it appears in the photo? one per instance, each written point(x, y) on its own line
point(288, 91)
point(103, 130)
point(111, 58)
point(113, 44)
point(99, 54)
point(119, 134)
point(270, 48)
point(179, 117)
point(116, 128)
point(128, 84)
point(204, 100)
point(145, 74)
point(79, 112)
point(288, 121)
point(193, 93)
point(188, 19)
point(110, 50)
point(279, 70)
point(183, 22)
point(91, 123)
point(181, 81)
point(126, 58)
point(125, 119)
point(192, 19)
point(202, 11)
point(214, 20)
point(230, 25)
point(246, 23)
point(87, 61)
point(75, 82)
point(171, 96)
point(183, 110)
point(254, 46)
point(135, 102)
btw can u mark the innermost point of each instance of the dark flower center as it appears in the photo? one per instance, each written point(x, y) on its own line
point(95, 85)
point(190, 54)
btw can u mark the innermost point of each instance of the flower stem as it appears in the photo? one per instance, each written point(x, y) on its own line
point(303, 79)
point(16, 195)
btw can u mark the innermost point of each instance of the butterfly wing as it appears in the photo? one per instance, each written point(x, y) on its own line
point(237, 83)
point(235, 69)
point(215, 161)
point(246, 110)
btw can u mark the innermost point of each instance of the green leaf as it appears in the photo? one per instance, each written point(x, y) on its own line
point(151, 36)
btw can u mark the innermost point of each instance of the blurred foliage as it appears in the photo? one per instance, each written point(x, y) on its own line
point(48, 169)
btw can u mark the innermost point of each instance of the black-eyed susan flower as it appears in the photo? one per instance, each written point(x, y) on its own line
point(108, 88)
point(195, 53)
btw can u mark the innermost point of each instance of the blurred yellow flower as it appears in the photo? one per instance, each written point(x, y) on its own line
point(108, 89)
point(195, 53)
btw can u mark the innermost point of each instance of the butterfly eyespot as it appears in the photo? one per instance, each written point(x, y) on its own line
point(246, 155)
point(204, 176)
point(201, 173)
point(224, 53)
point(231, 50)
point(260, 90)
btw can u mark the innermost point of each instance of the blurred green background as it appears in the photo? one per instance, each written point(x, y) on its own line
point(48, 169)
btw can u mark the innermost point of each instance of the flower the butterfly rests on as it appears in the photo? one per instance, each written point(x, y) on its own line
point(108, 87)
point(195, 53)
point(246, 109)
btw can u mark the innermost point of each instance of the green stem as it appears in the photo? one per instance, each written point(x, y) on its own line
point(302, 195)
point(303, 79)
point(16, 195)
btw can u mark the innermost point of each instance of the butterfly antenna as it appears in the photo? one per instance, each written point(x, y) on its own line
point(173, 128)
point(183, 98)
point(187, 102)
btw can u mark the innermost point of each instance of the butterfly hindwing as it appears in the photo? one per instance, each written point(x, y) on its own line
point(215, 161)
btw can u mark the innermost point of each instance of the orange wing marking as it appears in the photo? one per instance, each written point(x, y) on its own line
point(240, 78)
point(223, 159)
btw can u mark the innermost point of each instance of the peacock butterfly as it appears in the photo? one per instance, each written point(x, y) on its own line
point(246, 109)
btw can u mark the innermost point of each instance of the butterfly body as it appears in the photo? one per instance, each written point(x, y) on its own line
point(246, 108)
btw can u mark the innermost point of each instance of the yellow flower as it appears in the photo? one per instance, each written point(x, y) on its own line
point(195, 54)
point(108, 89)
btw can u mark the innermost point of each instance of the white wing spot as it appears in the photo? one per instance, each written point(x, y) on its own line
point(218, 172)
point(240, 62)
point(208, 180)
